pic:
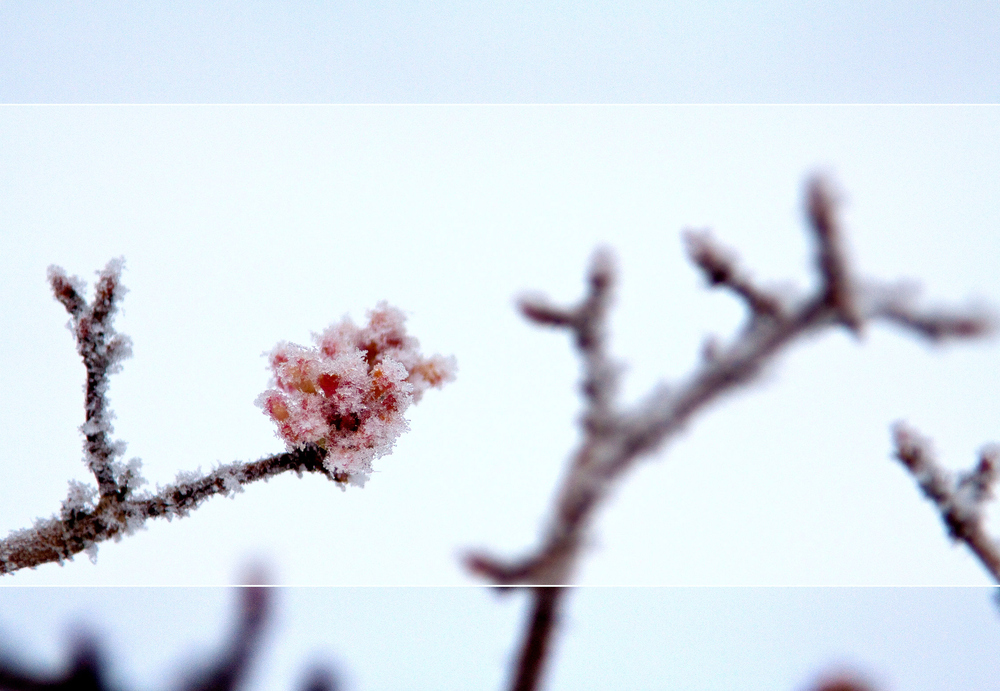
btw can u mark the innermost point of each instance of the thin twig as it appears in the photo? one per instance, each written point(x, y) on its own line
point(102, 350)
point(960, 500)
point(81, 528)
point(831, 258)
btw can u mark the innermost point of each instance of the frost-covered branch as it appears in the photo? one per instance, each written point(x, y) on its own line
point(616, 438)
point(81, 524)
point(229, 670)
point(103, 351)
point(960, 500)
point(337, 406)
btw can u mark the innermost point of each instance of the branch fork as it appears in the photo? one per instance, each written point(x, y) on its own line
point(614, 438)
point(960, 500)
point(389, 363)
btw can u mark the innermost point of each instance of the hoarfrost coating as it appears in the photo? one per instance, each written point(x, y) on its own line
point(348, 394)
point(338, 407)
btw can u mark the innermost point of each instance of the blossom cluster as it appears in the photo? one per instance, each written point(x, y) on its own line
point(348, 394)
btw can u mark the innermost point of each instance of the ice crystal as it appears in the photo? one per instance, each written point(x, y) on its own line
point(348, 393)
point(79, 499)
point(231, 481)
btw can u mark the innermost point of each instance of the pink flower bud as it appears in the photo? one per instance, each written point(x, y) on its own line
point(348, 394)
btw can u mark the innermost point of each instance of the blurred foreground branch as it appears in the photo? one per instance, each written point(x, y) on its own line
point(616, 438)
point(231, 668)
point(961, 501)
point(229, 671)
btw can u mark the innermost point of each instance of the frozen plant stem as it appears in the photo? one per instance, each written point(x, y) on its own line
point(537, 638)
point(367, 375)
point(960, 501)
point(615, 438)
point(102, 351)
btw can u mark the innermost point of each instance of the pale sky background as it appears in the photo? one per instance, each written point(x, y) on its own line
point(244, 226)
point(730, 639)
point(684, 51)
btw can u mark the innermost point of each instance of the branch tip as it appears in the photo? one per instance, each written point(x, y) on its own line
point(491, 569)
point(911, 448)
point(67, 290)
point(538, 309)
point(821, 203)
point(720, 265)
point(716, 261)
point(603, 270)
